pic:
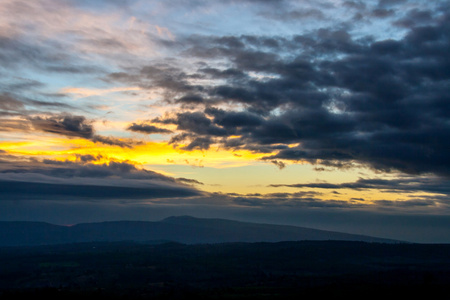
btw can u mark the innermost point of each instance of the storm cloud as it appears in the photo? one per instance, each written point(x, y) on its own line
point(335, 99)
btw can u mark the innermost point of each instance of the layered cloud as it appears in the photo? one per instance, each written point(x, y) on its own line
point(88, 177)
point(326, 97)
point(335, 84)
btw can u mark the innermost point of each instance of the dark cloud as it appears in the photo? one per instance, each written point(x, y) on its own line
point(88, 157)
point(294, 200)
point(68, 125)
point(189, 181)
point(85, 166)
point(230, 73)
point(194, 142)
point(434, 185)
point(48, 104)
point(233, 119)
point(112, 141)
point(194, 122)
point(415, 17)
point(75, 126)
point(279, 164)
point(311, 200)
point(334, 100)
point(388, 3)
point(32, 190)
point(148, 129)
point(85, 178)
point(383, 12)
point(21, 114)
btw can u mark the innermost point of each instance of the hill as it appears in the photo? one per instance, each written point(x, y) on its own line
point(184, 229)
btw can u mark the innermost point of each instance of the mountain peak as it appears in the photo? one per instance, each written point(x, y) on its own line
point(179, 218)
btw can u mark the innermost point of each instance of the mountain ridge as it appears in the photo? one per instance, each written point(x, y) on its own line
point(181, 229)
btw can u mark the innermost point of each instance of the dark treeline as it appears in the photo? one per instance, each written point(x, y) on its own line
point(125, 270)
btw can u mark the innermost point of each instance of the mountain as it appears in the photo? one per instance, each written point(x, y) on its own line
point(183, 229)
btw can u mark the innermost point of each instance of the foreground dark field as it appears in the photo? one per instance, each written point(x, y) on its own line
point(224, 271)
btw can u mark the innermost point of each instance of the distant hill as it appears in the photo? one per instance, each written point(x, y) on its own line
point(183, 229)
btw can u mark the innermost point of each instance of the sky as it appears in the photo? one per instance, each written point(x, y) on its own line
point(329, 114)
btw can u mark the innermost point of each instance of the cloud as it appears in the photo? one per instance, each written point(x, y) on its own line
point(15, 109)
point(75, 126)
point(13, 125)
point(406, 184)
point(233, 119)
point(84, 166)
point(85, 178)
point(97, 177)
point(200, 143)
point(8, 103)
point(68, 125)
point(279, 164)
point(18, 52)
point(148, 129)
point(13, 190)
point(326, 96)
point(22, 114)
point(109, 140)
point(306, 200)
point(86, 92)
point(189, 181)
point(77, 27)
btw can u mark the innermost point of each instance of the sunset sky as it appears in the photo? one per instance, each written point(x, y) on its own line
point(329, 114)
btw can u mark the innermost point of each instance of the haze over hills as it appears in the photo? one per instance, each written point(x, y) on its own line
point(183, 229)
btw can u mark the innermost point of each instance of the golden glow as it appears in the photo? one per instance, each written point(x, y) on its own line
point(219, 170)
point(150, 153)
point(8, 145)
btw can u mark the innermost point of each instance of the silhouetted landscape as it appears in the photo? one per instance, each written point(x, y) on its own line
point(164, 269)
point(119, 119)
point(183, 229)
